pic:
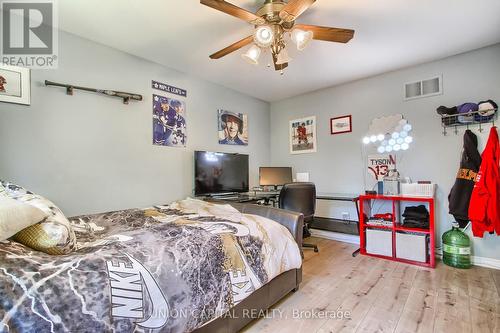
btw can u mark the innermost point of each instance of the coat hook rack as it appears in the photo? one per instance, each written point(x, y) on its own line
point(123, 95)
point(473, 118)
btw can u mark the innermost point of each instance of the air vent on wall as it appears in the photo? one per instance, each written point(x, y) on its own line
point(424, 88)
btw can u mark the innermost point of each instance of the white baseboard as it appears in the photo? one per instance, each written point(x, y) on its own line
point(486, 262)
point(336, 236)
point(478, 261)
point(354, 239)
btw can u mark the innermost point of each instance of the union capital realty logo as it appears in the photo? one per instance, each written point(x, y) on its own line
point(29, 36)
point(130, 284)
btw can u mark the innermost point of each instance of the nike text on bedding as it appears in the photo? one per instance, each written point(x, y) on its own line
point(128, 281)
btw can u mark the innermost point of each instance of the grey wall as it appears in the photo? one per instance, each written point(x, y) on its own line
point(338, 166)
point(90, 153)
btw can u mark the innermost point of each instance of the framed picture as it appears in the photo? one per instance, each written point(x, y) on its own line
point(233, 128)
point(169, 122)
point(15, 85)
point(340, 125)
point(303, 135)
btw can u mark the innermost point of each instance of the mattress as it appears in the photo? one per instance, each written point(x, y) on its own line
point(166, 268)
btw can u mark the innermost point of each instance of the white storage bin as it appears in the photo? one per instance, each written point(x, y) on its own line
point(418, 190)
point(411, 246)
point(379, 242)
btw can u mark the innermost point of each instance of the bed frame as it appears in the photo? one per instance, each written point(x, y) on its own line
point(270, 293)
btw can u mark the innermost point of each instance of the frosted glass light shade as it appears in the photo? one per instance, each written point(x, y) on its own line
point(252, 55)
point(264, 36)
point(301, 38)
point(283, 58)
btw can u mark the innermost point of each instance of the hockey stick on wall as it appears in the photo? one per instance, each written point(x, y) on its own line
point(70, 88)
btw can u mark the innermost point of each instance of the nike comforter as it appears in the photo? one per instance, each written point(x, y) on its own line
point(167, 269)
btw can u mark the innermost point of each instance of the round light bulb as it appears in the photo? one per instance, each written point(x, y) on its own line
point(380, 137)
point(408, 139)
point(397, 147)
point(388, 149)
point(405, 146)
point(407, 128)
point(395, 135)
point(373, 138)
point(400, 141)
point(403, 134)
point(381, 149)
point(392, 142)
point(264, 36)
point(366, 140)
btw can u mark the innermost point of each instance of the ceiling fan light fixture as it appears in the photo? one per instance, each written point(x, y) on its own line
point(264, 36)
point(252, 55)
point(283, 57)
point(301, 38)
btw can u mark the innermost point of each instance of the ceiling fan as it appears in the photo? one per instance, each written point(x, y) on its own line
point(273, 22)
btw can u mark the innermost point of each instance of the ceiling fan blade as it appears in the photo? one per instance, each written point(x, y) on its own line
point(327, 33)
point(294, 8)
point(233, 10)
point(278, 67)
point(231, 48)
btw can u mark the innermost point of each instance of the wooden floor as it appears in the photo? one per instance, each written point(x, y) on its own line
point(384, 296)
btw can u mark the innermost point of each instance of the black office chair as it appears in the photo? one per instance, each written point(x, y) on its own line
point(301, 198)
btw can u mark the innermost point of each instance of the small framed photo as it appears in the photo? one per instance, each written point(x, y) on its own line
point(340, 125)
point(15, 85)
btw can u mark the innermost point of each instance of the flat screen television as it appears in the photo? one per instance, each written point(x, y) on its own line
point(217, 173)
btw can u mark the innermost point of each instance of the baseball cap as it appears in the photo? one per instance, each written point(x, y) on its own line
point(464, 110)
point(486, 110)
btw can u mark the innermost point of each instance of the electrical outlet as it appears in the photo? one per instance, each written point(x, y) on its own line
point(346, 216)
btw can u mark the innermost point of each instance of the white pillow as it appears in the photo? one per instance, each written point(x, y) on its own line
point(54, 235)
point(16, 216)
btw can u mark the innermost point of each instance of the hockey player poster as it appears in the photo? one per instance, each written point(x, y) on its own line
point(169, 122)
point(303, 135)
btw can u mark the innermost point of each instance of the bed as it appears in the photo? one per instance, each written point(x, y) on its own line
point(184, 267)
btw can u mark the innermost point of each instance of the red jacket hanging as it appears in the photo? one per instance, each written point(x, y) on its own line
point(484, 208)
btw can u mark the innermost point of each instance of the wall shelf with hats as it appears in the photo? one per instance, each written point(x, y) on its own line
point(468, 115)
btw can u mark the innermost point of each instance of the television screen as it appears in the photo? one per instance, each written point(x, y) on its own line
point(275, 176)
point(220, 173)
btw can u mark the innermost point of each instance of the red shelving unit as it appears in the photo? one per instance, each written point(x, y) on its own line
point(365, 202)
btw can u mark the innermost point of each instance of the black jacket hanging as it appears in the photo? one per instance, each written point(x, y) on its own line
point(460, 194)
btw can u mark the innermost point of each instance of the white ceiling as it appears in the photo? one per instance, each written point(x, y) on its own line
point(390, 34)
